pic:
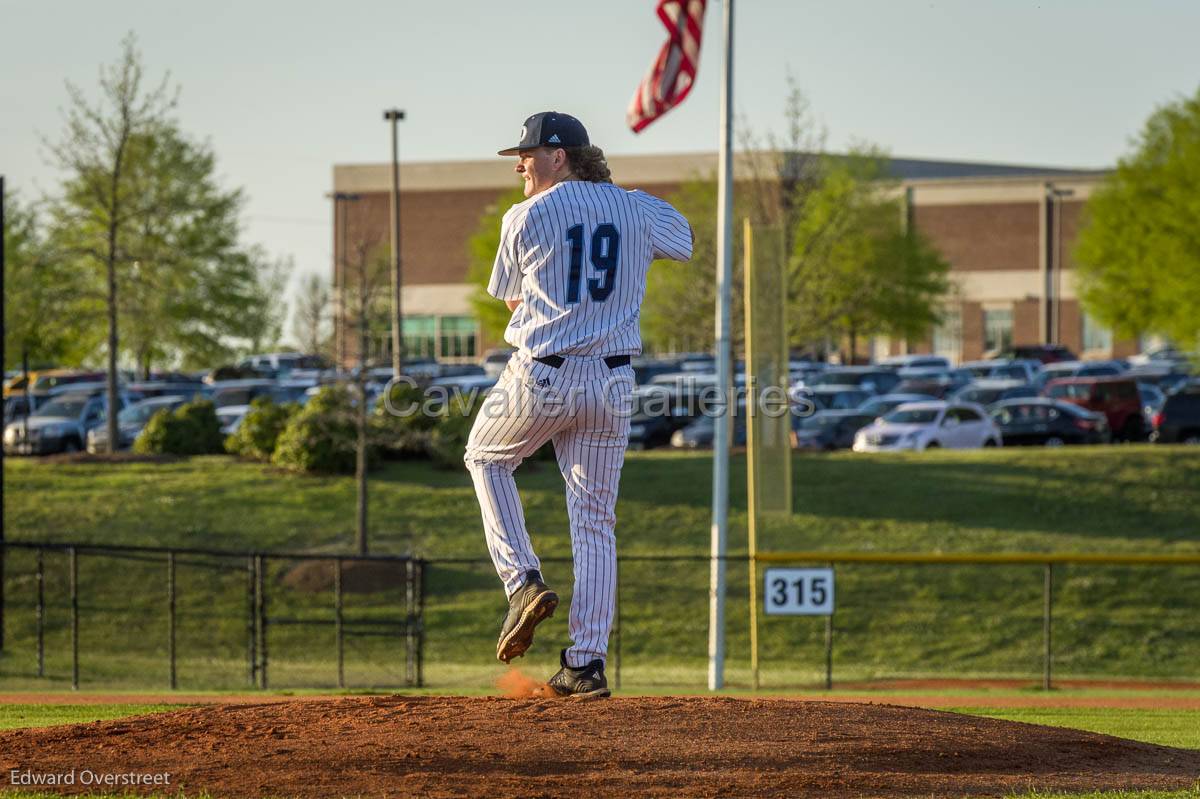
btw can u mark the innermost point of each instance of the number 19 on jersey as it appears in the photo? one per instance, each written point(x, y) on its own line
point(798, 592)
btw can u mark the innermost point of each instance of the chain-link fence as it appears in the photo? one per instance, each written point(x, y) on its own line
point(201, 619)
point(903, 619)
point(208, 619)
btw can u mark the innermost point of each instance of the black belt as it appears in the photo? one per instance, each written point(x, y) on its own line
point(612, 361)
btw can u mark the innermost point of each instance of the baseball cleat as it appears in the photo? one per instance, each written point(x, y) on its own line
point(532, 603)
point(584, 682)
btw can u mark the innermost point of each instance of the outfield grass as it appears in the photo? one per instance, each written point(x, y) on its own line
point(1180, 728)
point(892, 621)
point(15, 717)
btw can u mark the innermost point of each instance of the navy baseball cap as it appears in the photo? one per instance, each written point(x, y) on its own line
point(550, 129)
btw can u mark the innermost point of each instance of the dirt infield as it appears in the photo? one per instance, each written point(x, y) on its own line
point(646, 746)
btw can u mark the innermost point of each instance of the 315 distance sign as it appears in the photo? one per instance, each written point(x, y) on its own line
point(798, 592)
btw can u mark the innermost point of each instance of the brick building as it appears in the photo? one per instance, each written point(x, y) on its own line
point(1007, 231)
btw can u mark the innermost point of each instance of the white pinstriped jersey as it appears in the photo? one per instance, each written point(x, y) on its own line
point(577, 255)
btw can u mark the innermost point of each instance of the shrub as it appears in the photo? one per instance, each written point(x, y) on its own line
point(191, 429)
point(259, 431)
point(448, 440)
point(323, 436)
point(405, 435)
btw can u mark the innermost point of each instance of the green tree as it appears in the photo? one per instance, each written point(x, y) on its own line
point(102, 202)
point(192, 293)
point(677, 313)
point(481, 248)
point(1138, 255)
point(155, 236)
point(854, 270)
point(41, 294)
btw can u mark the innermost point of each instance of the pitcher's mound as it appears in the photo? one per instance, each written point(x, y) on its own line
point(648, 746)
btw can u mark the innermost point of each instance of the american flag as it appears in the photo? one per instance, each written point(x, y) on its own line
point(674, 70)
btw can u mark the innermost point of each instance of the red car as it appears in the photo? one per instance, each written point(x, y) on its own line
point(1116, 397)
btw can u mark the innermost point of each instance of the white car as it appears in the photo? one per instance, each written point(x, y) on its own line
point(927, 425)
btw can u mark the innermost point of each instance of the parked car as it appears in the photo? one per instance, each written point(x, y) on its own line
point(927, 425)
point(230, 372)
point(60, 425)
point(652, 423)
point(699, 362)
point(829, 430)
point(693, 394)
point(1163, 355)
point(699, 433)
point(898, 362)
point(282, 364)
point(131, 421)
point(1168, 378)
point(802, 376)
point(464, 385)
point(17, 407)
point(230, 417)
point(936, 389)
point(1042, 353)
point(871, 379)
point(162, 388)
point(1153, 399)
point(882, 405)
point(646, 369)
point(831, 398)
point(939, 383)
point(1116, 397)
point(1179, 420)
point(1047, 422)
point(1076, 369)
point(495, 360)
point(51, 379)
point(1004, 369)
point(985, 392)
point(240, 392)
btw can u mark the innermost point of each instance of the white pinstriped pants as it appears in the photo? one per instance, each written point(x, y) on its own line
point(582, 407)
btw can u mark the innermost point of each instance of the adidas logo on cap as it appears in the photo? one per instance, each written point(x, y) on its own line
point(553, 139)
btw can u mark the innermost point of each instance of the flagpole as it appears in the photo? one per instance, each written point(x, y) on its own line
point(720, 517)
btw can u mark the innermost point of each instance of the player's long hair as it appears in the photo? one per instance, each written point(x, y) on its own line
point(588, 163)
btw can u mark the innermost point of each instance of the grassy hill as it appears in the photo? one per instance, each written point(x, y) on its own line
point(892, 620)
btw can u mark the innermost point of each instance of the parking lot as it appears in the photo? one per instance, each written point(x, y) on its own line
point(912, 402)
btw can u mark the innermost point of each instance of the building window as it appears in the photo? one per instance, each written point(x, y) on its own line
point(441, 337)
point(947, 337)
point(458, 336)
point(1095, 335)
point(419, 337)
point(997, 330)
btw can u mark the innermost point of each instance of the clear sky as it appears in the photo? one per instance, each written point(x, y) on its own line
point(284, 90)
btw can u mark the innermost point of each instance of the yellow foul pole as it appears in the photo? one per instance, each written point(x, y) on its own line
point(751, 445)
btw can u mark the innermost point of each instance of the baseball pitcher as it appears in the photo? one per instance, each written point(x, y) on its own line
point(572, 268)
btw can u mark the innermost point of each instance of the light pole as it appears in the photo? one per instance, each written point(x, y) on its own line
point(394, 115)
point(1054, 279)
